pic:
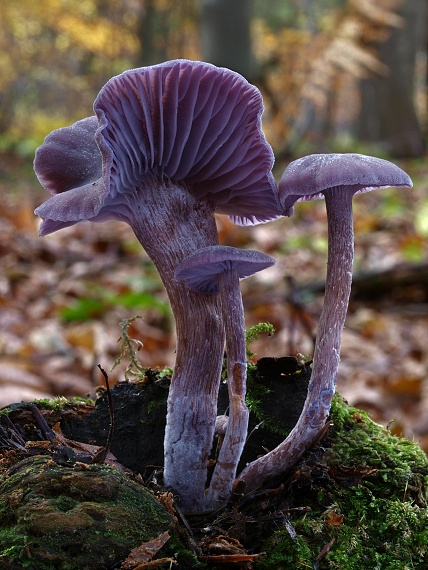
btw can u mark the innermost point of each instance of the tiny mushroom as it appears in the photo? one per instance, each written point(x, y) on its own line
point(336, 177)
point(169, 145)
point(218, 269)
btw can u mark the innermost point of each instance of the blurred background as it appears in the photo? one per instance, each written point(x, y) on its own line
point(336, 76)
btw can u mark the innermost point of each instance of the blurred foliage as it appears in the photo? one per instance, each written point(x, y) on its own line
point(56, 55)
point(311, 70)
point(99, 300)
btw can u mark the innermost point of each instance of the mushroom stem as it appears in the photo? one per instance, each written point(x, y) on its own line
point(237, 428)
point(327, 347)
point(169, 230)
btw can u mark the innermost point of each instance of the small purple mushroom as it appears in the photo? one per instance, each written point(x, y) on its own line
point(170, 144)
point(336, 177)
point(219, 269)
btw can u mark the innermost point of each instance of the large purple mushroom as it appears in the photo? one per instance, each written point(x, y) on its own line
point(170, 145)
point(336, 177)
point(218, 269)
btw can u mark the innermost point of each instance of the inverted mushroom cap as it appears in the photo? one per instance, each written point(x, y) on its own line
point(308, 178)
point(187, 121)
point(60, 166)
point(201, 269)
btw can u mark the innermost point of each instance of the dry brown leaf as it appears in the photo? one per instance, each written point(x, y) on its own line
point(92, 451)
point(141, 556)
point(334, 519)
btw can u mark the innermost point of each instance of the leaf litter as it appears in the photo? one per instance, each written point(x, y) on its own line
point(63, 297)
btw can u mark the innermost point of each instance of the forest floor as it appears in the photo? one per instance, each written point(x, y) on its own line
point(63, 297)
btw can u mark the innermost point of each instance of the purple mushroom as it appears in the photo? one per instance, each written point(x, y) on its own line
point(218, 269)
point(336, 177)
point(170, 145)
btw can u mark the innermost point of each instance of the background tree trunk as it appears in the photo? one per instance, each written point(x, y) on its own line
point(388, 115)
point(152, 32)
point(226, 36)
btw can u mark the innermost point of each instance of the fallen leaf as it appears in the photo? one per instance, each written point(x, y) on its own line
point(334, 519)
point(142, 555)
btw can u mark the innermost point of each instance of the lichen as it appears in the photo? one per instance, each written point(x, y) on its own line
point(368, 494)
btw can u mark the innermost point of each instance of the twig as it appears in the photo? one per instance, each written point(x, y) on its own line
point(10, 438)
point(230, 558)
point(48, 433)
point(323, 552)
point(100, 457)
point(189, 533)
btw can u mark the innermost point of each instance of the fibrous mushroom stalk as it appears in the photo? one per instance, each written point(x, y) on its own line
point(327, 348)
point(169, 230)
point(216, 271)
point(224, 474)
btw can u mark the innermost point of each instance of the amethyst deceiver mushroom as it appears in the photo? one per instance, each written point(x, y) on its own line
point(218, 269)
point(336, 177)
point(170, 144)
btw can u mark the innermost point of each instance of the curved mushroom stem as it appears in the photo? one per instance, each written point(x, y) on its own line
point(327, 348)
point(223, 477)
point(169, 230)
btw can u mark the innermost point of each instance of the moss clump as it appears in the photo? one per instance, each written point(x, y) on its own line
point(70, 518)
point(59, 402)
point(368, 494)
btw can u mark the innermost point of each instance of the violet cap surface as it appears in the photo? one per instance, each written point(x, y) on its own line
point(307, 178)
point(200, 270)
point(185, 121)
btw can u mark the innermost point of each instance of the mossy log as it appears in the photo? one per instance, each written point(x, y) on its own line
point(358, 499)
point(83, 517)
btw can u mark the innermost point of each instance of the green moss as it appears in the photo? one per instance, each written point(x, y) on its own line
point(256, 395)
point(166, 373)
point(186, 559)
point(368, 496)
point(254, 332)
point(71, 518)
point(60, 402)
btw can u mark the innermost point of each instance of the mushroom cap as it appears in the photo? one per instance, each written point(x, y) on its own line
point(200, 270)
point(309, 177)
point(187, 121)
point(60, 166)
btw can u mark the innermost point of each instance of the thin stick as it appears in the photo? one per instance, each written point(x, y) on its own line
point(101, 457)
point(42, 422)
